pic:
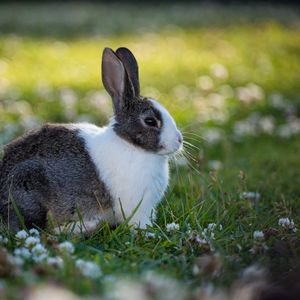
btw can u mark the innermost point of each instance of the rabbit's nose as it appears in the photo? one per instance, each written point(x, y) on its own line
point(179, 137)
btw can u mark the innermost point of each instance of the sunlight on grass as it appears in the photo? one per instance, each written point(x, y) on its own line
point(230, 77)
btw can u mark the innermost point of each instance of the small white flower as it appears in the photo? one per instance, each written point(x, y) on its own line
point(284, 222)
point(66, 247)
point(172, 227)
point(149, 235)
point(31, 241)
point(34, 232)
point(16, 260)
point(88, 268)
point(212, 136)
point(250, 195)
point(219, 71)
point(40, 258)
point(3, 240)
point(287, 224)
point(211, 226)
point(205, 83)
point(244, 128)
point(267, 124)
point(38, 250)
point(250, 93)
point(195, 270)
point(208, 234)
point(239, 247)
point(200, 241)
point(22, 252)
point(215, 165)
point(21, 235)
point(258, 235)
point(276, 100)
point(55, 261)
point(284, 131)
point(39, 253)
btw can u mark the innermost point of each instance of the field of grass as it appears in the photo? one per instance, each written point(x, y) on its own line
point(230, 76)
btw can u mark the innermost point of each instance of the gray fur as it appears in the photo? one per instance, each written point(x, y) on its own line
point(49, 170)
point(130, 108)
point(130, 126)
point(131, 67)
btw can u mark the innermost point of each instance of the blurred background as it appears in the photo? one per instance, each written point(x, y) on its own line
point(227, 72)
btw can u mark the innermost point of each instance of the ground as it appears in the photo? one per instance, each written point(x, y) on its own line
point(230, 77)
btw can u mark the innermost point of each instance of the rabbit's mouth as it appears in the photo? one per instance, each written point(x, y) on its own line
point(171, 149)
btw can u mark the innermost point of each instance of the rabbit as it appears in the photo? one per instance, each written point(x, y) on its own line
point(89, 174)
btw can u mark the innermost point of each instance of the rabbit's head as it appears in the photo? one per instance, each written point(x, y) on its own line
point(139, 120)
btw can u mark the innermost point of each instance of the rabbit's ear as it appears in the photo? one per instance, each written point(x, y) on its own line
point(131, 67)
point(114, 78)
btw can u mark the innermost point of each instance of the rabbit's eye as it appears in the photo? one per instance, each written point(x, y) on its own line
point(151, 122)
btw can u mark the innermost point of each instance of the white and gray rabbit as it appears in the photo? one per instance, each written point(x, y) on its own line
point(101, 172)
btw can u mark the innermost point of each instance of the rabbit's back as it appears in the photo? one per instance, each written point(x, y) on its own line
point(69, 176)
point(49, 141)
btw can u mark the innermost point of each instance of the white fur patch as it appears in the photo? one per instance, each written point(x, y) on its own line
point(169, 137)
point(132, 176)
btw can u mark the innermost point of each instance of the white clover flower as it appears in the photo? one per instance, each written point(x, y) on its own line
point(267, 124)
point(284, 131)
point(38, 250)
point(31, 241)
point(30, 122)
point(149, 235)
point(3, 239)
point(244, 128)
point(172, 227)
point(21, 235)
point(258, 235)
point(244, 94)
point(294, 125)
point(39, 253)
point(99, 100)
point(40, 258)
point(250, 93)
point(211, 226)
point(16, 260)
point(55, 261)
point(200, 241)
point(212, 136)
point(88, 268)
point(22, 252)
point(208, 234)
point(284, 222)
point(250, 195)
point(205, 83)
point(195, 270)
point(257, 92)
point(215, 165)
point(34, 232)
point(66, 247)
point(287, 224)
point(276, 100)
point(219, 71)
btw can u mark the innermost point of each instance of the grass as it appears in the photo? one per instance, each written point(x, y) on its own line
point(229, 76)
